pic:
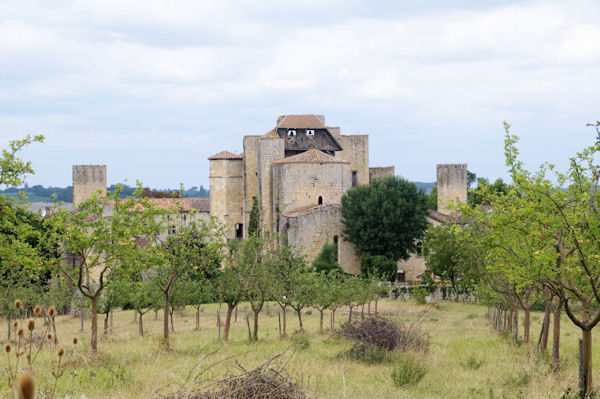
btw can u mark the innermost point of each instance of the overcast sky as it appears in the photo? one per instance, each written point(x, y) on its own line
point(152, 89)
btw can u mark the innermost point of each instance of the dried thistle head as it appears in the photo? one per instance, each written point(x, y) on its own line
point(49, 336)
point(26, 388)
point(75, 340)
point(37, 310)
point(30, 324)
point(61, 352)
point(18, 304)
point(52, 311)
point(7, 348)
point(15, 324)
point(20, 331)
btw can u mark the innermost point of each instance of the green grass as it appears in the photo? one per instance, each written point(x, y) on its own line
point(466, 359)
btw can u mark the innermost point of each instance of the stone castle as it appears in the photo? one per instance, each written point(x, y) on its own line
point(298, 171)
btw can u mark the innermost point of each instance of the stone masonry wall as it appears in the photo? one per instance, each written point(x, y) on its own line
point(377, 172)
point(451, 185)
point(269, 150)
point(87, 179)
point(308, 230)
point(356, 151)
point(226, 193)
point(250, 176)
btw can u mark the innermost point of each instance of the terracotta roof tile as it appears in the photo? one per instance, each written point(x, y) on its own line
point(311, 156)
point(307, 121)
point(225, 155)
point(198, 204)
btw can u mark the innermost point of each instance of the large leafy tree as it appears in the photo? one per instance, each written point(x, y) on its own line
point(386, 217)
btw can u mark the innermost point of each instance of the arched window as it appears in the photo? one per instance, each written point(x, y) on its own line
point(310, 132)
point(291, 132)
point(320, 200)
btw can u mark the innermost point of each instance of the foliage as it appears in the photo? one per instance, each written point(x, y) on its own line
point(419, 293)
point(326, 260)
point(12, 169)
point(378, 265)
point(408, 372)
point(386, 217)
point(432, 199)
point(480, 195)
point(255, 215)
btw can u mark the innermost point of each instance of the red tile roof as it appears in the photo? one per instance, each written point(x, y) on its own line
point(311, 156)
point(198, 204)
point(225, 155)
point(307, 121)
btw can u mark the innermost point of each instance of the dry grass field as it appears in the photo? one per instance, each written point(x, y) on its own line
point(465, 360)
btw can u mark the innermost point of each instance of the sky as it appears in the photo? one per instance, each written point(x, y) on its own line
point(153, 88)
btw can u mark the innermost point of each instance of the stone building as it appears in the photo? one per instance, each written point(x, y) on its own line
point(299, 171)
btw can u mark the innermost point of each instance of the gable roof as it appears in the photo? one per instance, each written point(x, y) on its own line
point(305, 121)
point(225, 155)
point(311, 156)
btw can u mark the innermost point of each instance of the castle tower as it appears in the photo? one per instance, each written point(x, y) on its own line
point(227, 192)
point(451, 185)
point(87, 179)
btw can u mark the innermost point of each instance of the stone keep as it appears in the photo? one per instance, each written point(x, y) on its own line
point(299, 170)
point(451, 185)
point(87, 180)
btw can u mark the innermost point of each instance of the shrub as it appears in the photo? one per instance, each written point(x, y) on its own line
point(385, 335)
point(408, 372)
point(301, 342)
point(378, 266)
point(473, 363)
point(419, 293)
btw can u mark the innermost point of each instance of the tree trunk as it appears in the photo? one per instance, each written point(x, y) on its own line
point(255, 326)
point(300, 320)
point(546, 326)
point(362, 312)
point(227, 323)
point(94, 326)
point(349, 314)
point(198, 318)
point(284, 321)
point(135, 315)
point(526, 325)
point(333, 318)
point(586, 362)
point(376, 307)
point(171, 317)
point(369, 309)
point(82, 312)
point(9, 325)
point(321, 320)
point(55, 337)
point(105, 332)
point(111, 320)
point(515, 323)
point(235, 315)
point(141, 325)
point(166, 320)
point(556, 338)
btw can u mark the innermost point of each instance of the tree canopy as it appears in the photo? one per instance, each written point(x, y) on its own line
point(386, 217)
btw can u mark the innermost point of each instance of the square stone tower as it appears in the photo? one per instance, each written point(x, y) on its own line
point(451, 185)
point(87, 179)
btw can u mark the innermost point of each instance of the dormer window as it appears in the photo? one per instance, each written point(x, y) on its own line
point(310, 132)
point(291, 132)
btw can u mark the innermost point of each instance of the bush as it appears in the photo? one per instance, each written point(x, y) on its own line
point(378, 266)
point(384, 335)
point(419, 293)
point(408, 372)
point(326, 261)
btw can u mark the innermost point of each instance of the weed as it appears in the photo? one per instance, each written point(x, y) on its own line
point(408, 372)
point(471, 316)
point(519, 380)
point(473, 363)
point(301, 342)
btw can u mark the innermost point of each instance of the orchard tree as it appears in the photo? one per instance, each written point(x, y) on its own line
point(103, 239)
point(386, 217)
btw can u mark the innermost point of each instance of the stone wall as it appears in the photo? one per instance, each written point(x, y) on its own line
point(299, 185)
point(451, 185)
point(87, 180)
point(226, 193)
point(250, 176)
point(309, 229)
point(269, 150)
point(377, 172)
point(356, 151)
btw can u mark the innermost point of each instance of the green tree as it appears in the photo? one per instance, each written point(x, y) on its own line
point(432, 199)
point(386, 217)
point(103, 239)
point(12, 168)
point(378, 265)
point(326, 260)
point(254, 221)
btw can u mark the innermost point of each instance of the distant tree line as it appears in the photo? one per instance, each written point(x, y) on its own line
point(65, 194)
